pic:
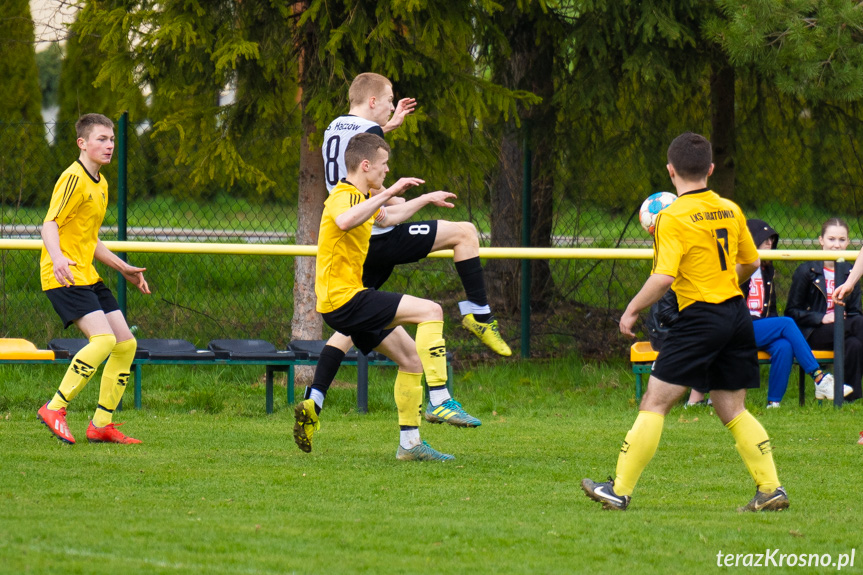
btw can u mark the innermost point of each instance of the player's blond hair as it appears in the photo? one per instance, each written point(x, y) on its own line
point(87, 122)
point(365, 86)
point(363, 147)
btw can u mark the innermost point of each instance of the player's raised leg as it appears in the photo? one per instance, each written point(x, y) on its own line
point(462, 238)
point(431, 347)
point(408, 392)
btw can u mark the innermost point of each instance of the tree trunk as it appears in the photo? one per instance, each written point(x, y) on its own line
point(504, 275)
point(722, 128)
point(542, 120)
point(307, 322)
point(530, 66)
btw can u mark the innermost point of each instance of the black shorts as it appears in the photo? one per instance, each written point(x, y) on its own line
point(365, 318)
point(74, 302)
point(711, 346)
point(405, 244)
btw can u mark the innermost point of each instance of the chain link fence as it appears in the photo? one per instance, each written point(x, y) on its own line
point(792, 183)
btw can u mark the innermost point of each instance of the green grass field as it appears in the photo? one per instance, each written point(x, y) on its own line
point(219, 487)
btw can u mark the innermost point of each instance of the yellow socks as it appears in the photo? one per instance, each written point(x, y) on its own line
point(409, 397)
point(115, 376)
point(83, 365)
point(431, 348)
point(637, 450)
point(753, 444)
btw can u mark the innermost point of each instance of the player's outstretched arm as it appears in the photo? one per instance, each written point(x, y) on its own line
point(652, 291)
point(399, 213)
point(356, 215)
point(51, 239)
point(403, 108)
point(843, 291)
point(133, 275)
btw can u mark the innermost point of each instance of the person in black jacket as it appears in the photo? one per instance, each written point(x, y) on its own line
point(778, 336)
point(810, 304)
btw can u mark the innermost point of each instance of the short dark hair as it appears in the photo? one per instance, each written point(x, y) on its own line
point(363, 147)
point(839, 222)
point(691, 155)
point(85, 124)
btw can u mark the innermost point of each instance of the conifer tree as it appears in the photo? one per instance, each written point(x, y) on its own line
point(808, 49)
point(21, 129)
point(424, 47)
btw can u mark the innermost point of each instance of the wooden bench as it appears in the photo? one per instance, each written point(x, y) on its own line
point(642, 356)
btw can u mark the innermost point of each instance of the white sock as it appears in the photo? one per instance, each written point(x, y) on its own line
point(438, 396)
point(317, 397)
point(466, 307)
point(409, 438)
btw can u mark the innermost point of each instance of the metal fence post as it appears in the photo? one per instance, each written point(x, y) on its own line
point(122, 192)
point(525, 242)
point(839, 343)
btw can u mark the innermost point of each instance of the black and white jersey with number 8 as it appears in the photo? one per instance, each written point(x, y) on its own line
point(336, 138)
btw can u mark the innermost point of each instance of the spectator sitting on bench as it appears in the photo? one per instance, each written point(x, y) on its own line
point(811, 305)
point(778, 336)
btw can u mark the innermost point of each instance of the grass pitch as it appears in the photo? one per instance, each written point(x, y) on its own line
point(219, 487)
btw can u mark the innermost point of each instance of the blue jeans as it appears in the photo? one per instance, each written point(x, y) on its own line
point(781, 338)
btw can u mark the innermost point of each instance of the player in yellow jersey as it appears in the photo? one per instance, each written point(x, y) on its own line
point(375, 319)
point(372, 112)
point(703, 250)
point(70, 234)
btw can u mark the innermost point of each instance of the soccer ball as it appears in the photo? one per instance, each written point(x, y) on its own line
point(651, 207)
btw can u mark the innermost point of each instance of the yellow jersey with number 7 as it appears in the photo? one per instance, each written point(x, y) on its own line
point(699, 240)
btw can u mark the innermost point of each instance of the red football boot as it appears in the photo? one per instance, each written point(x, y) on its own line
point(108, 434)
point(56, 422)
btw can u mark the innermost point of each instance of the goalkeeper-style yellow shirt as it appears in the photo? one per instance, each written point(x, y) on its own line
point(699, 240)
point(78, 205)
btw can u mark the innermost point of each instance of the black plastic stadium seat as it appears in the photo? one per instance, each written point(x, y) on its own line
point(311, 349)
point(65, 348)
point(247, 349)
point(173, 349)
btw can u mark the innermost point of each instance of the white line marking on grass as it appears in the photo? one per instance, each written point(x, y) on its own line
point(199, 567)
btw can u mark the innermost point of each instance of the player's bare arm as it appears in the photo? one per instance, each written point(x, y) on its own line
point(403, 108)
point(398, 214)
point(651, 292)
point(843, 291)
point(357, 215)
point(133, 275)
point(51, 238)
point(395, 200)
